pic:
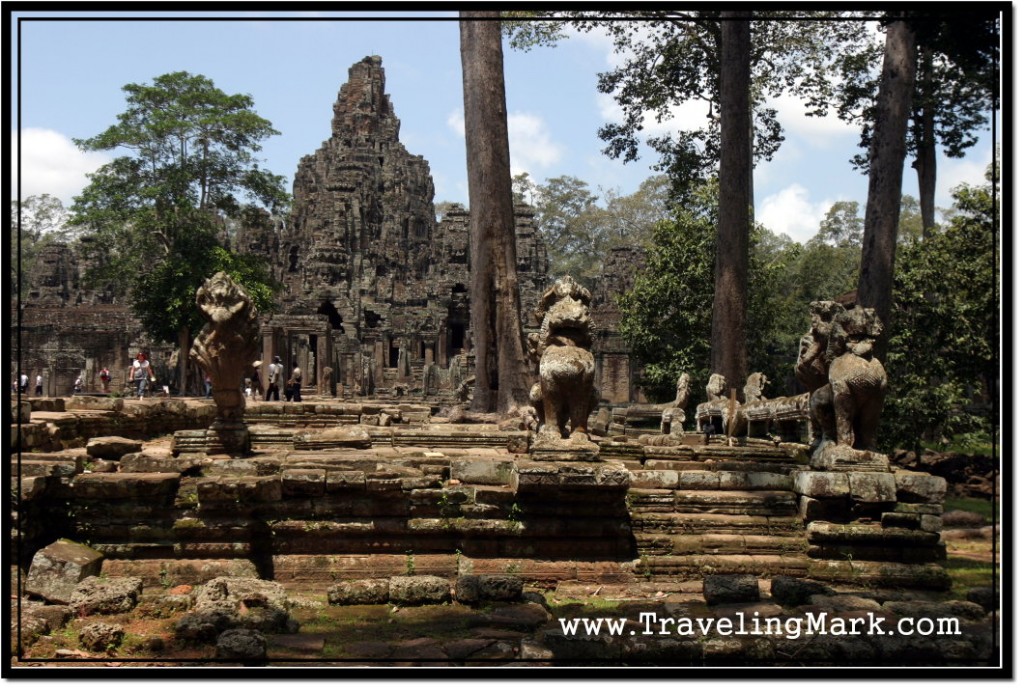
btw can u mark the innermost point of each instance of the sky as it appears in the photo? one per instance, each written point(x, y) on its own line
point(72, 66)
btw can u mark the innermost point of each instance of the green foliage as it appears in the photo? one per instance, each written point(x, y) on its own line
point(673, 58)
point(666, 317)
point(958, 52)
point(579, 231)
point(154, 216)
point(943, 344)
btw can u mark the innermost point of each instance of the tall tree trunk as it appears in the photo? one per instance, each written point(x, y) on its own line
point(184, 344)
point(729, 309)
point(925, 164)
point(885, 175)
point(501, 368)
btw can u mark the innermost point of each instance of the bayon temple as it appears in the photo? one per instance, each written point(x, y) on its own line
point(372, 490)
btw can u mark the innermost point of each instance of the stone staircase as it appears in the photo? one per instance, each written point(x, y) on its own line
point(717, 509)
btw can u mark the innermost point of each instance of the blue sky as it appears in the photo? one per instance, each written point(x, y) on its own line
point(72, 71)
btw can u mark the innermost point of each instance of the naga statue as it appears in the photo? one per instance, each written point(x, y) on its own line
point(225, 349)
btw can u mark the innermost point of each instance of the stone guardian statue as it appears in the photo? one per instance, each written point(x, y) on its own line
point(225, 349)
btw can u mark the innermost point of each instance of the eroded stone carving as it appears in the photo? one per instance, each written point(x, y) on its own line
point(225, 349)
point(716, 388)
point(812, 369)
point(565, 394)
point(674, 415)
point(846, 409)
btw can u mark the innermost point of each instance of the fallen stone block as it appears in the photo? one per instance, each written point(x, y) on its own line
point(472, 589)
point(58, 568)
point(791, 592)
point(241, 644)
point(112, 448)
point(419, 590)
point(97, 595)
point(100, 637)
point(368, 591)
point(724, 589)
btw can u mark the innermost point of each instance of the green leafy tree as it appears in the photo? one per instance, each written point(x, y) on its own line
point(943, 348)
point(674, 57)
point(568, 219)
point(666, 316)
point(580, 226)
point(157, 212)
point(631, 217)
point(953, 93)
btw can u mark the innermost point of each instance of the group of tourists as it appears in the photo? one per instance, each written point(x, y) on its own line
point(141, 378)
point(20, 384)
point(292, 387)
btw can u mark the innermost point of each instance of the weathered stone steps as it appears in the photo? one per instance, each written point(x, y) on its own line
point(692, 566)
point(742, 503)
point(720, 543)
point(673, 523)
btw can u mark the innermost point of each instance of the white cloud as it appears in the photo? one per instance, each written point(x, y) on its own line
point(51, 164)
point(820, 132)
point(953, 172)
point(457, 122)
point(531, 148)
point(530, 144)
point(791, 212)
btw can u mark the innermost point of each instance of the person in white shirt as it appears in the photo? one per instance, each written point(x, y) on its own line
point(274, 379)
point(140, 373)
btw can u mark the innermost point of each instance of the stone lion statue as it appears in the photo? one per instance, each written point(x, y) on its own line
point(565, 394)
point(856, 378)
point(673, 416)
point(847, 383)
point(812, 369)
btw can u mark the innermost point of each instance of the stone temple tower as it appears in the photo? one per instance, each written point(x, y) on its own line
point(375, 287)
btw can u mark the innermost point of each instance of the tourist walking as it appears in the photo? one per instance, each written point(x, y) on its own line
point(293, 391)
point(78, 384)
point(140, 374)
point(23, 383)
point(274, 379)
point(105, 379)
point(39, 385)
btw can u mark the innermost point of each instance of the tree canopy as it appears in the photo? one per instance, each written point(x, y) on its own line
point(666, 315)
point(671, 58)
point(943, 348)
point(580, 225)
point(158, 213)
